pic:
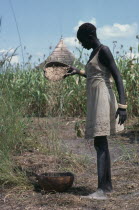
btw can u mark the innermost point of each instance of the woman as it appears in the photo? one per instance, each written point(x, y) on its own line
point(104, 115)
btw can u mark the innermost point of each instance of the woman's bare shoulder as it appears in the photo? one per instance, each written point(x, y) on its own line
point(105, 55)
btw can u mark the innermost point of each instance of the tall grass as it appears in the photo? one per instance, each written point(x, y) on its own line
point(130, 76)
point(42, 97)
point(67, 97)
point(13, 137)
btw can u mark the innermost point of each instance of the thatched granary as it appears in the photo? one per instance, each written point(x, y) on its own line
point(60, 54)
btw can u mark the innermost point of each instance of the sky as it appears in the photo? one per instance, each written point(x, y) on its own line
point(35, 27)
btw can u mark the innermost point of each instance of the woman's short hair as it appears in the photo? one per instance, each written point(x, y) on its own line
point(86, 29)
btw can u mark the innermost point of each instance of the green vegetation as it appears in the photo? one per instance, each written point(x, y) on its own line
point(13, 138)
point(42, 97)
point(45, 98)
point(130, 76)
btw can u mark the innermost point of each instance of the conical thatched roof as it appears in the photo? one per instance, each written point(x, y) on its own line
point(60, 54)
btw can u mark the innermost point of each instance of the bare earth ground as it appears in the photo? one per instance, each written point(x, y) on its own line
point(124, 150)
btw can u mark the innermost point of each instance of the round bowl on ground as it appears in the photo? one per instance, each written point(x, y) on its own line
point(55, 182)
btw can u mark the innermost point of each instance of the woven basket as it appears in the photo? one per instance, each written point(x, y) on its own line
point(55, 70)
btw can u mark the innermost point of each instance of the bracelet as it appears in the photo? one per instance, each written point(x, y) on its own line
point(122, 106)
point(82, 72)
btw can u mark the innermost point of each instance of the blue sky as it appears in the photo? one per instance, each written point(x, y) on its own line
point(42, 22)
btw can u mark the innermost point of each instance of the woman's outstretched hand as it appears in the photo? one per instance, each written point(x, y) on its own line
point(71, 71)
point(122, 115)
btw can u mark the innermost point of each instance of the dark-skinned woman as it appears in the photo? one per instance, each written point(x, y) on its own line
point(104, 115)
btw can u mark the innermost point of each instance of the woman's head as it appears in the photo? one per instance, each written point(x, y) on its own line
point(86, 33)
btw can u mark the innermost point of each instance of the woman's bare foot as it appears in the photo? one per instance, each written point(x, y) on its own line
point(99, 195)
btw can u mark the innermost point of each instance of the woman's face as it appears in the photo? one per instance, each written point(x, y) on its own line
point(86, 43)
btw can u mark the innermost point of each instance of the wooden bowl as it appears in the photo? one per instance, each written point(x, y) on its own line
point(55, 182)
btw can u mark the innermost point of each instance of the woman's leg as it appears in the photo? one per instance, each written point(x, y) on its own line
point(103, 163)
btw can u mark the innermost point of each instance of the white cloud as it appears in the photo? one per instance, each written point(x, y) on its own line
point(117, 31)
point(7, 54)
point(71, 41)
point(80, 22)
point(15, 59)
point(2, 51)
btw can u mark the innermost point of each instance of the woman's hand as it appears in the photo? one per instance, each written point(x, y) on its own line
point(71, 71)
point(122, 115)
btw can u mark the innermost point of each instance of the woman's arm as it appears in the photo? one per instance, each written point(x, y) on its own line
point(106, 58)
